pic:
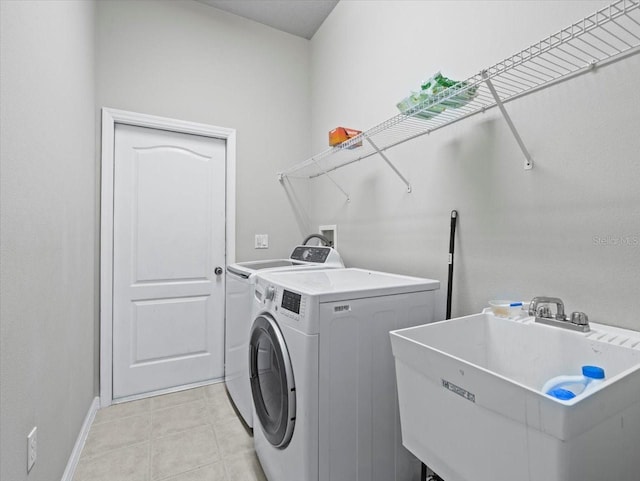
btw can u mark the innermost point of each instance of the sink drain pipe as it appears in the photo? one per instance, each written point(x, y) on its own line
point(424, 476)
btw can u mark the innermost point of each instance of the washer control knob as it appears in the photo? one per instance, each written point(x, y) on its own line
point(270, 294)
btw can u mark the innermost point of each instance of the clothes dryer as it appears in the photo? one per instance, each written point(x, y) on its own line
point(240, 280)
point(323, 375)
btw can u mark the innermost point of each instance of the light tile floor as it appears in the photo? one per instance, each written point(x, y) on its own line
point(192, 435)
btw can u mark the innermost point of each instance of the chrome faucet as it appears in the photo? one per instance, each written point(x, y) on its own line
point(536, 301)
point(538, 308)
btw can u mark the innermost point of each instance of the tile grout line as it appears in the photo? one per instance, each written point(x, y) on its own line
point(151, 444)
point(199, 466)
point(190, 470)
point(119, 418)
point(103, 451)
point(227, 476)
point(181, 431)
point(192, 401)
point(89, 457)
point(206, 424)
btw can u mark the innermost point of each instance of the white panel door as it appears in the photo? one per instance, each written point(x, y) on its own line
point(169, 237)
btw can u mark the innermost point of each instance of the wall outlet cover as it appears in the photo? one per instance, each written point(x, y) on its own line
point(262, 241)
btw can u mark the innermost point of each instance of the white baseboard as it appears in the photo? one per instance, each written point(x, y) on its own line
point(82, 437)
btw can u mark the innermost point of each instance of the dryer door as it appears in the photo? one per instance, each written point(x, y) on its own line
point(272, 384)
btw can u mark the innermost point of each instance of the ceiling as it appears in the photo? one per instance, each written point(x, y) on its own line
point(298, 17)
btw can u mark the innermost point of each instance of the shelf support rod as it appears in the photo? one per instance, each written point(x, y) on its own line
point(333, 181)
point(393, 167)
point(528, 162)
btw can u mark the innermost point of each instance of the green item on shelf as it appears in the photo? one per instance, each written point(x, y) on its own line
point(438, 83)
point(430, 90)
point(415, 99)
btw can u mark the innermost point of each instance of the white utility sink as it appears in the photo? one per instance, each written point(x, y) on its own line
point(472, 410)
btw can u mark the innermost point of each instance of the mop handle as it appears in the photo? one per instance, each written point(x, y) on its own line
point(452, 243)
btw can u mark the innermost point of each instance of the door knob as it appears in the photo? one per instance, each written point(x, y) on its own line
point(218, 270)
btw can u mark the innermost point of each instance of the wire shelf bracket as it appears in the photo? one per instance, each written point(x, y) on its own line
point(282, 175)
point(338, 186)
point(390, 164)
point(528, 161)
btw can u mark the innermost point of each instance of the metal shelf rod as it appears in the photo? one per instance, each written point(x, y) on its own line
point(528, 163)
point(393, 167)
point(335, 183)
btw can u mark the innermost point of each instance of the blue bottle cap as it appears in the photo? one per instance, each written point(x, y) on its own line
point(594, 372)
point(560, 393)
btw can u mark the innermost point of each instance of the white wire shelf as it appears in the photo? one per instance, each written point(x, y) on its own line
point(607, 35)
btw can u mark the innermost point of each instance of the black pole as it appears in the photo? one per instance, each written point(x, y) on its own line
point(452, 243)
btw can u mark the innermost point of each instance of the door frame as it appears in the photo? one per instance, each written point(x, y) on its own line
point(111, 117)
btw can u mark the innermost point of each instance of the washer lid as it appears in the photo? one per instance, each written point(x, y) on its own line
point(337, 284)
point(302, 257)
point(269, 264)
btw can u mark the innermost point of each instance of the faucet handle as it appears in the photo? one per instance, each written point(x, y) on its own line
point(544, 311)
point(579, 318)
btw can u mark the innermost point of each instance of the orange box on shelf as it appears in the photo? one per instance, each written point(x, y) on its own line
point(340, 134)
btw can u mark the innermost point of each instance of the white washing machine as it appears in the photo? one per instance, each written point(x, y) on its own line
point(323, 375)
point(240, 280)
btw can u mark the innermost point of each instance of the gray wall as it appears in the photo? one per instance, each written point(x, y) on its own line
point(521, 233)
point(61, 62)
point(190, 61)
point(47, 239)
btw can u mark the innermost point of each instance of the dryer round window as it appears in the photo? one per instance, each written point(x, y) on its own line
point(272, 382)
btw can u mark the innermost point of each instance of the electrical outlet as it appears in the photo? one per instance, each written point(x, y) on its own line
point(32, 448)
point(262, 241)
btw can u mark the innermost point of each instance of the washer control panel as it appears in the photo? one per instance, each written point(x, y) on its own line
point(292, 304)
point(327, 256)
point(291, 301)
point(311, 254)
